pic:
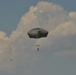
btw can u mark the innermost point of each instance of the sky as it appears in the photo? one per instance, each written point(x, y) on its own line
point(57, 54)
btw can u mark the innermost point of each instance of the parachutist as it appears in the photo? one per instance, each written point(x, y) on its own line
point(37, 33)
point(11, 60)
point(37, 49)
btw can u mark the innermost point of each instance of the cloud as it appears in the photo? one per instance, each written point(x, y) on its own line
point(65, 53)
point(22, 50)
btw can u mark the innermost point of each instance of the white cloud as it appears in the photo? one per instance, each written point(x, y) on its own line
point(72, 16)
point(20, 48)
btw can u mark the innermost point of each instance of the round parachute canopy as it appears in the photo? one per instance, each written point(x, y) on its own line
point(37, 33)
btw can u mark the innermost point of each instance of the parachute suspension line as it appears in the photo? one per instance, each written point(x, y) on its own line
point(37, 47)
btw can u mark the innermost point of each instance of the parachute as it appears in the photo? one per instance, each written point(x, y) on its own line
point(37, 33)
